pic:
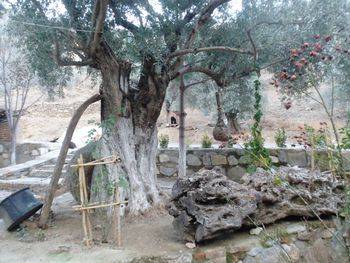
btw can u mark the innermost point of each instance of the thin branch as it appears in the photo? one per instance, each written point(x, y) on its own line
point(255, 54)
point(196, 83)
point(62, 62)
point(72, 39)
point(273, 63)
point(312, 98)
point(210, 73)
point(209, 49)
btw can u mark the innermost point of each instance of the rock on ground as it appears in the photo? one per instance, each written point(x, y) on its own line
point(208, 204)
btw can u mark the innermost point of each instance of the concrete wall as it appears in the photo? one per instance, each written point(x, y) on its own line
point(25, 152)
point(233, 161)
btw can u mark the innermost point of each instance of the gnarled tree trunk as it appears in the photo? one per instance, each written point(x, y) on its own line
point(129, 129)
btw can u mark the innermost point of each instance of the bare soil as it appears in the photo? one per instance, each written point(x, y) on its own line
point(150, 235)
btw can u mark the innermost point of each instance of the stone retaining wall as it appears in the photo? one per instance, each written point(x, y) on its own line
point(25, 152)
point(234, 162)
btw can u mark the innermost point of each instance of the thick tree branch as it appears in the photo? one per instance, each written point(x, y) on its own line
point(118, 18)
point(61, 158)
point(204, 16)
point(99, 21)
point(210, 73)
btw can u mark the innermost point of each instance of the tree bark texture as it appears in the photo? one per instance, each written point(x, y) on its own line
point(232, 122)
point(13, 143)
point(61, 159)
point(220, 132)
point(182, 146)
point(129, 117)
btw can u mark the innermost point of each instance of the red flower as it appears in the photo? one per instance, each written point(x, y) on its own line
point(294, 52)
point(317, 46)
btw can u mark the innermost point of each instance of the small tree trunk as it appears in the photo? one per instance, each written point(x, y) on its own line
point(13, 144)
point(182, 147)
point(61, 159)
point(220, 121)
point(220, 132)
point(232, 122)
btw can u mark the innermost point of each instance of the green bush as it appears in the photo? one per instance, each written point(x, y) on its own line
point(206, 141)
point(163, 141)
point(281, 138)
point(345, 140)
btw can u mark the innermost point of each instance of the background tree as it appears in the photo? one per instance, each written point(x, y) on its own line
point(15, 81)
point(271, 28)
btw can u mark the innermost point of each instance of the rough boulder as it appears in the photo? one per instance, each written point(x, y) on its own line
point(208, 204)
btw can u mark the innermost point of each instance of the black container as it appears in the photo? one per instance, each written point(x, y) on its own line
point(17, 207)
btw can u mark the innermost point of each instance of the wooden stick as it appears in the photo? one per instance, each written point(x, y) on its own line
point(90, 204)
point(98, 206)
point(86, 200)
point(93, 164)
point(81, 174)
point(115, 158)
point(118, 225)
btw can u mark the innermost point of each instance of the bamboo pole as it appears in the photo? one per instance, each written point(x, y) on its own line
point(87, 214)
point(117, 225)
point(99, 162)
point(85, 207)
point(98, 206)
point(82, 199)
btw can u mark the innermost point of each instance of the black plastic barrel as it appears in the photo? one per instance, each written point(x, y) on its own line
point(17, 207)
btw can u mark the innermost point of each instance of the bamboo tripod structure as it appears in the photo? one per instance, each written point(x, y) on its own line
point(85, 208)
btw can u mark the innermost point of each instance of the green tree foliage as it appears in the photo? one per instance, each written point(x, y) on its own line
point(263, 33)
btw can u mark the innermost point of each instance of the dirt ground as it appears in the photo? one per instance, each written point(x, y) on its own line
point(63, 241)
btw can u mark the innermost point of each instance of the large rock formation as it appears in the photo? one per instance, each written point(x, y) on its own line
point(208, 204)
point(292, 191)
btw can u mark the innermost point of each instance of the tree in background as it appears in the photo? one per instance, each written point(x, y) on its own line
point(270, 28)
point(15, 80)
point(313, 63)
